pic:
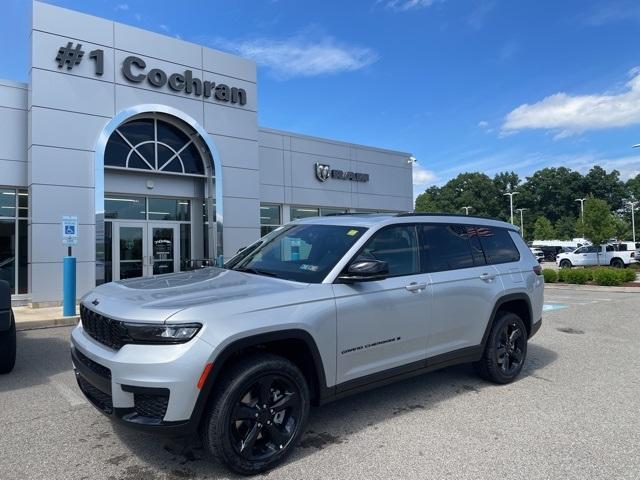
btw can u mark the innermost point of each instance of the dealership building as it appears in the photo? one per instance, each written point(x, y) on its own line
point(153, 146)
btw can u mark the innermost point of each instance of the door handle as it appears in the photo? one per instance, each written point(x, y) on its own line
point(416, 287)
point(487, 277)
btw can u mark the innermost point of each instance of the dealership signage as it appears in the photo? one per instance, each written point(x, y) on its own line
point(134, 69)
point(324, 172)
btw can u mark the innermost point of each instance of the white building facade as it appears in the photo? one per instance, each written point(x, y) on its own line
point(153, 144)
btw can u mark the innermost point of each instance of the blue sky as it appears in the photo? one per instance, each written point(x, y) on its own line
point(465, 85)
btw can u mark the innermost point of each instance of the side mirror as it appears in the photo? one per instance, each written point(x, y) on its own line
point(365, 270)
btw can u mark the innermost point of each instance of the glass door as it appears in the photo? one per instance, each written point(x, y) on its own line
point(129, 240)
point(163, 248)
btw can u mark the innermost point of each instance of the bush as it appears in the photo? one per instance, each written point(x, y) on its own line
point(578, 276)
point(562, 274)
point(589, 274)
point(550, 275)
point(608, 276)
point(628, 274)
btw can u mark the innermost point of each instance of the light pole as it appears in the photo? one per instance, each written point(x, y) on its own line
point(581, 200)
point(633, 219)
point(511, 194)
point(521, 220)
point(466, 210)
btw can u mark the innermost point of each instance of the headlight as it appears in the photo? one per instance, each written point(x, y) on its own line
point(146, 333)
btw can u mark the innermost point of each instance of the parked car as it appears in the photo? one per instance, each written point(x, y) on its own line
point(593, 255)
point(538, 253)
point(7, 330)
point(316, 310)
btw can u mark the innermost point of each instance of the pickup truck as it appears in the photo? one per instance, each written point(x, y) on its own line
point(7, 330)
point(592, 255)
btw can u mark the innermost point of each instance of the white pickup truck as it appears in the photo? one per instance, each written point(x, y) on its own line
point(591, 255)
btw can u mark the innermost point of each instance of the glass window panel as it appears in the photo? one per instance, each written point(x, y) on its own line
point(164, 154)
point(331, 211)
point(23, 203)
point(130, 208)
point(136, 162)
point(23, 265)
point(192, 160)
point(172, 136)
point(173, 166)
point(7, 202)
point(148, 151)
point(8, 251)
point(185, 246)
point(498, 245)
point(137, 131)
point(303, 212)
point(115, 155)
point(130, 252)
point(108, 252)
point(169, 209)
point(447, 247)
point(398, 246)
point(270, 214)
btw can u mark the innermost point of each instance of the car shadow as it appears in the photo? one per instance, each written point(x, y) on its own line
point(185, 457)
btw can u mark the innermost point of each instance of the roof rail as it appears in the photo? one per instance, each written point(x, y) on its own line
point(443, 214)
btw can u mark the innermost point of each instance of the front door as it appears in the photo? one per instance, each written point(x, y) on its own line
point(142, 249)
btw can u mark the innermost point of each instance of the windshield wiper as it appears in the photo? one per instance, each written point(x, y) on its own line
point(257, 272)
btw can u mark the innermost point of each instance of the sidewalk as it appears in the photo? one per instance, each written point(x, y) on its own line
point(591, 288)
point(31, 318)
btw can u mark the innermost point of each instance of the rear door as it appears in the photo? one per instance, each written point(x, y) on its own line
point(382, 324)
point(464, 288)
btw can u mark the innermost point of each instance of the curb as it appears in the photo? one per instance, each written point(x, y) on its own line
point(592, 288)
point(49, 323)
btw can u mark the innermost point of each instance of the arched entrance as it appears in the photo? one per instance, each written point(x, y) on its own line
point(158, 195)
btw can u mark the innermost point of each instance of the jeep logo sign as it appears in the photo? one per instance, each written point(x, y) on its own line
point(324, 172)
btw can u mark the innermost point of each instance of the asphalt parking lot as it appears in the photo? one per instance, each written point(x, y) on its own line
point(572, 415)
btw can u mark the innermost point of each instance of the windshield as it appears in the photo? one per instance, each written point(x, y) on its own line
point(303, 253)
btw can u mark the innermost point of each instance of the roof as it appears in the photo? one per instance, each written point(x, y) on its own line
point(380, 219)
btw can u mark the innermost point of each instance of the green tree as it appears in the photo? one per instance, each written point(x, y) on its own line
point(543, 229)
point(598, 221)
point(632, 188)
point(565, 227)
point(606, 186)
point(551, 193)
point(621, 228)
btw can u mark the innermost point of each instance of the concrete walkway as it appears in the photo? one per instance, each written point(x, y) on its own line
point(32, 318)
point(590, 288)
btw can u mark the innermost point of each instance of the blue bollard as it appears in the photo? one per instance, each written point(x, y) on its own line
point(69, 286)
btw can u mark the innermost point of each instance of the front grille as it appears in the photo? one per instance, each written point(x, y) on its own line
point(93, 366)
point(97, 397)
point(102, 329)
point(151, 406)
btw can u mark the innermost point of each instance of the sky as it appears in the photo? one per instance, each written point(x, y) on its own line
point(463, 85)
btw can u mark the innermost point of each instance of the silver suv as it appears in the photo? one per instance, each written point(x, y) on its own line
point(317, 310)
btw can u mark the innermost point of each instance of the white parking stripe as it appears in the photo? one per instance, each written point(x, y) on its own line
point(69, 395)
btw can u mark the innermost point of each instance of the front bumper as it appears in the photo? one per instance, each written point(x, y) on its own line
point(145, 386)
point(535, 327)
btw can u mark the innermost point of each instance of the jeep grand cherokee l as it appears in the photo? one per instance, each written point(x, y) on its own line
point(317, 310)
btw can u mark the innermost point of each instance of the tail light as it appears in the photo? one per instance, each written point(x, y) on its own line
point(537, 270)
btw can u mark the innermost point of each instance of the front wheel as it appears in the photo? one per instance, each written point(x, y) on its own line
point(258, 415)
point(506, 349)
point(617, 263)
point(565, 264)
point(8, 348)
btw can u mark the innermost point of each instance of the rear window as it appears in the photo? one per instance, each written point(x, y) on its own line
point(451, 247)
point(497, 244)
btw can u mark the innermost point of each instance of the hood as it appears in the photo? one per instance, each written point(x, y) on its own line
point(158, 298)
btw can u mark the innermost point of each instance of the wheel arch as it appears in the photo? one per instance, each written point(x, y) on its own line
point(518, 303)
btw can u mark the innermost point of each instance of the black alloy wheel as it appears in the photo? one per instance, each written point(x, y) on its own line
point(511, 347)
point(565, 264)
point(258, 413)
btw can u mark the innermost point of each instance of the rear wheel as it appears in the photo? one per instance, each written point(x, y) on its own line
point(258, 414)
point(8, 348)
point(506, 349)
point(617, 263)
point(565, 264)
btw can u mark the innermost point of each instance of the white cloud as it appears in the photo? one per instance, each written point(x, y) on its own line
point(300, 56)
point(164, 27)
point(572, 114)
point(423, 177)
point(404, 5)
point(483, 124)
point(122, 6)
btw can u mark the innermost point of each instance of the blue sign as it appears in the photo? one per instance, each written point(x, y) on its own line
point(69, 230)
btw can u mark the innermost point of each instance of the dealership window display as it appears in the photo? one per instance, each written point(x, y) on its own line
point(14, 211)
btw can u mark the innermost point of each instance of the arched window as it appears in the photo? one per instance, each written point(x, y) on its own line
point(156, 145)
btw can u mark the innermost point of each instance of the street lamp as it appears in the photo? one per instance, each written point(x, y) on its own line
point(466, 210)
point(511, 194)
point(581, 200)
point(521, 220)
point(633, 218)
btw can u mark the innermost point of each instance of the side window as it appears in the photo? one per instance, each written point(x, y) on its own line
point(610, 248)
point(593, 249)
point(398, 246)
point(581, 250)
point(451, 247)
point(498, 245)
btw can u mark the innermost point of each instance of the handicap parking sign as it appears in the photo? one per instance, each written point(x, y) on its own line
point(69, 230)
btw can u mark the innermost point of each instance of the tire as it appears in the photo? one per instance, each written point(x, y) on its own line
point(565, 263)
point(504, 332)
point(8, 348)
point(235, 417)
point(617, 263)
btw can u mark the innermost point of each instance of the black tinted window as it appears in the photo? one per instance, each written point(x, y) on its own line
point(398, 246)
point(450, 247)
point(497, 245)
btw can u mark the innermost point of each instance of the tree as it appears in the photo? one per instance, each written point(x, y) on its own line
point(565, 227)
point(551, 192)
point(598, 221)
point(543, 230)
point(621, 228)
point(606, 186)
